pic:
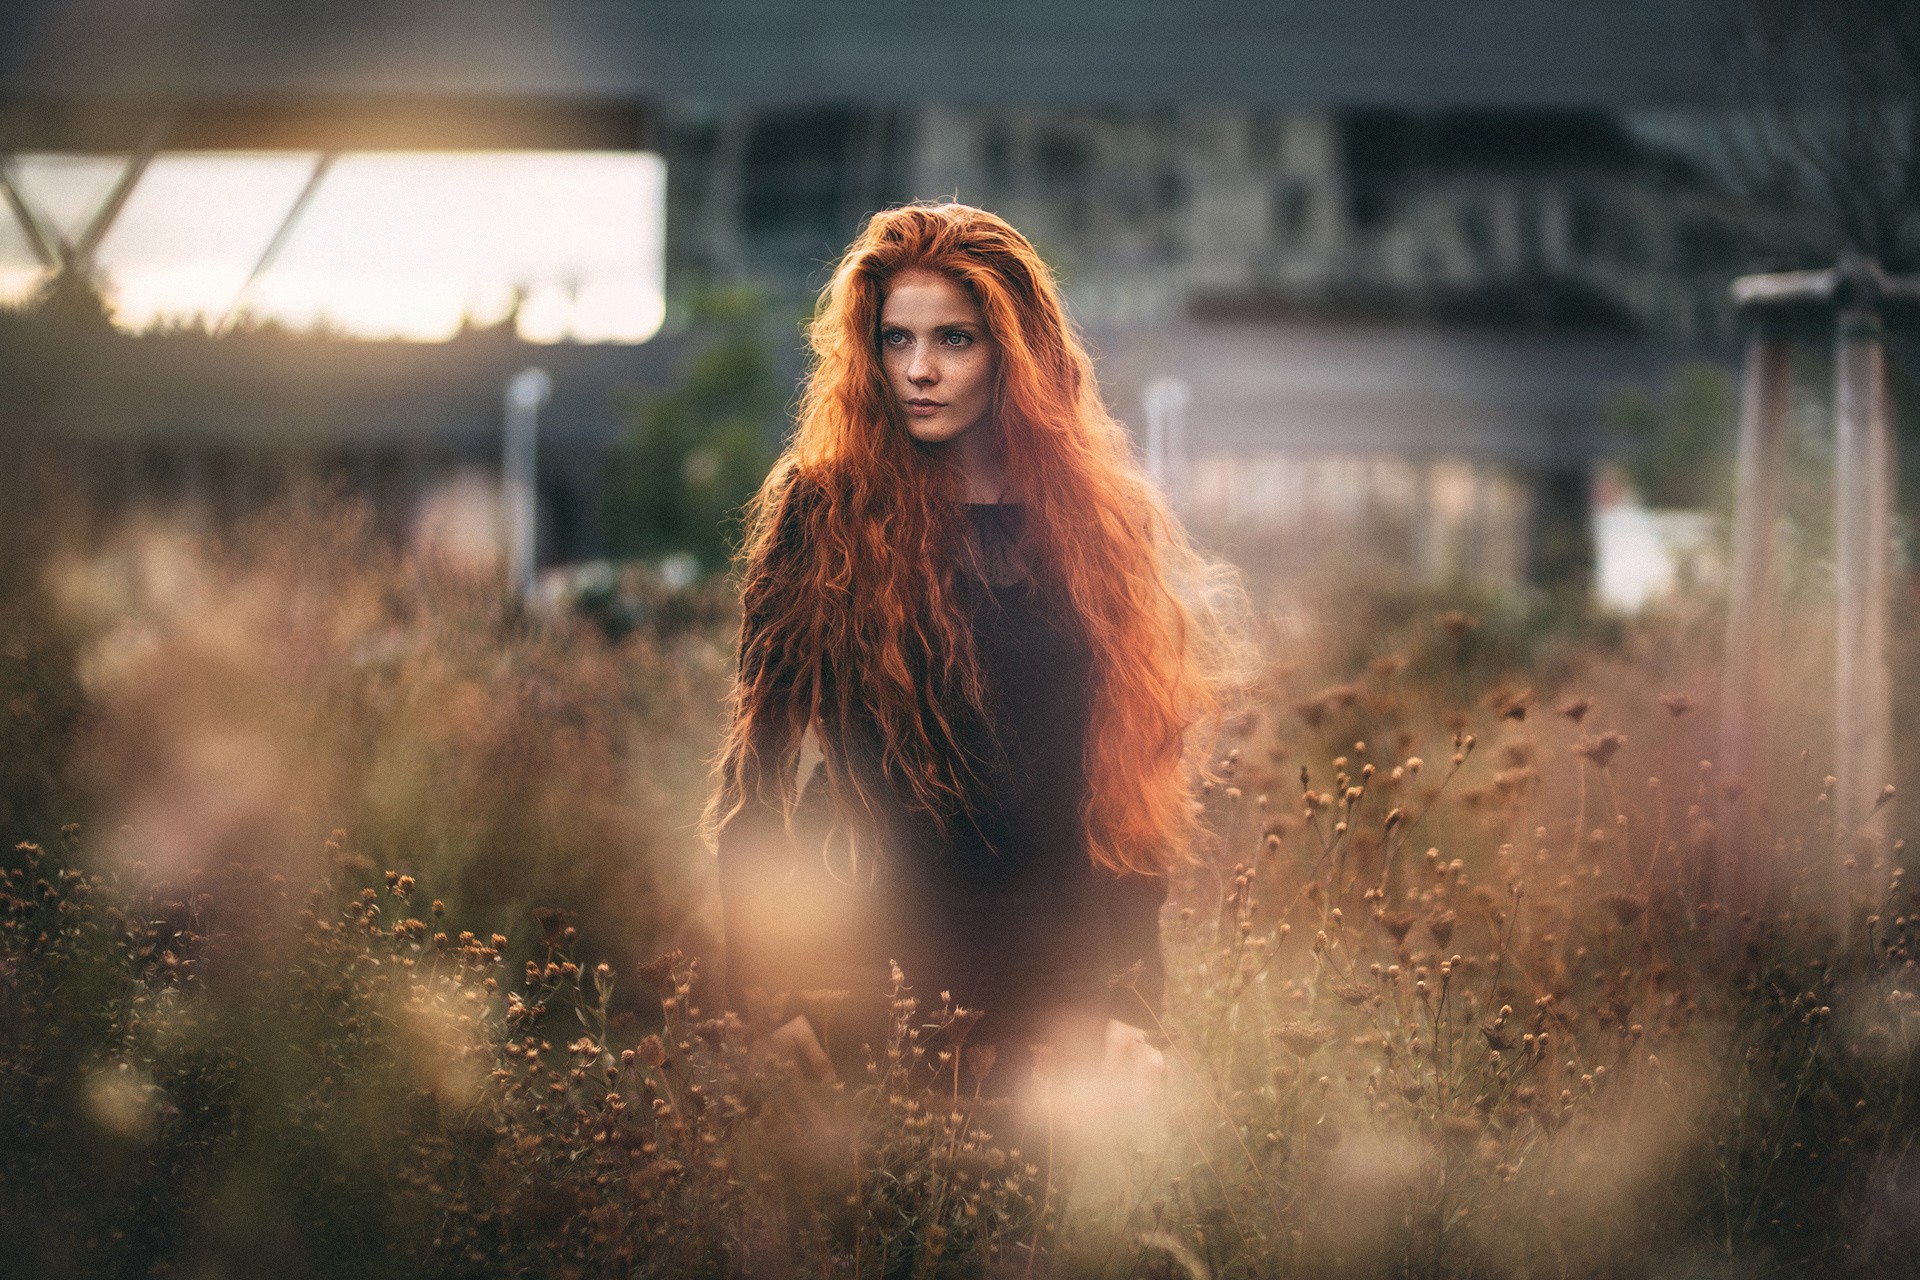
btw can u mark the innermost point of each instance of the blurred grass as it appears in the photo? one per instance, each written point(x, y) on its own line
point(281, 1000)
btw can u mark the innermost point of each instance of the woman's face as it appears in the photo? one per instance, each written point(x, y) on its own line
point(938, 356)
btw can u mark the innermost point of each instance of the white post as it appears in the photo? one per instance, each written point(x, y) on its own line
point(1863, 480)
point(1166, 404)
point(1863, 490)
point(526, 392)
point(1744, 718)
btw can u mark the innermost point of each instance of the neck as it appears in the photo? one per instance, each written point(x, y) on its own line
point(984, 471)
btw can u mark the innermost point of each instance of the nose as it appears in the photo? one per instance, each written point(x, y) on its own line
point(921, 369)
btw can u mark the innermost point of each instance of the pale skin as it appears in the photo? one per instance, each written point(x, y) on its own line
point(941, 363)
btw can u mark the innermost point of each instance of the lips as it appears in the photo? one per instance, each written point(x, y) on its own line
point(922, 408)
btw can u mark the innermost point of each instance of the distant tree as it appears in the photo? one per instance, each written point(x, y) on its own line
point(1826, 129)
point(695, 454)
point(69, 301)
point(1680, 451)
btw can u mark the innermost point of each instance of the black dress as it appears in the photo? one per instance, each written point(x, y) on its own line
point(1006, 913)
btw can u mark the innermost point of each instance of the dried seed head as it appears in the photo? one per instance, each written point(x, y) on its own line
point(1600, 749)
point(1304, 1039)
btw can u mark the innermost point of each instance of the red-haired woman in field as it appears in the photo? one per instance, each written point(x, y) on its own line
point(958, 583)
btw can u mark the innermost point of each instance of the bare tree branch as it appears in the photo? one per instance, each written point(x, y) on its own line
point(1828, 95)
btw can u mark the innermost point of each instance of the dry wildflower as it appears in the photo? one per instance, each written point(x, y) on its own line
point(1304, 1038)
point(1509, 783)
point(1440, 924)
point(1397, 924)
point(1626, 907)
point(1352, 994)
point(980, 1060)
point(1600, 748)
point(1676, 704)
point(1456, 624)
point(1315, 710)
point(1510, 704)
point(553, 923)
point(1575, 709)
point(651, 1051)
point(1461, 1129)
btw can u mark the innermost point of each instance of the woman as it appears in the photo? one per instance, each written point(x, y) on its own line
point(956, 582)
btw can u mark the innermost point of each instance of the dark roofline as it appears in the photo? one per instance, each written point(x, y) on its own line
point(325, 122)
point(1302, 53)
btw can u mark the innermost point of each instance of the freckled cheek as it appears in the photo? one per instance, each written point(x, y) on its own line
point(979, 379)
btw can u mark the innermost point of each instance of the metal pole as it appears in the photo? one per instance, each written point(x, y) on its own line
point(50, 251)
point(109, 211)
point(526, 392)
point(322, 166)
point(1863, 455)
point(1744, 699)
point(1166, 445)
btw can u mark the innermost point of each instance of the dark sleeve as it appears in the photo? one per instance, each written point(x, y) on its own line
point(1133, 905)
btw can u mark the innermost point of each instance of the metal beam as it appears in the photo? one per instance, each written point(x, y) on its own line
point(50, 252)
point(322, 165)
point(109, 211)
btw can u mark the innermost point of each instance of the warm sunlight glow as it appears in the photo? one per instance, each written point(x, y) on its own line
point(388, 244)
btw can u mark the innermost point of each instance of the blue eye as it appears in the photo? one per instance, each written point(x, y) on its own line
point(959, 339)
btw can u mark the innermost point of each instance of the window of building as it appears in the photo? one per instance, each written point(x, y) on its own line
point(376, 244)
point(1292, 211)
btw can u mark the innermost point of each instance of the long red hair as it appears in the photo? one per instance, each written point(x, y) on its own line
point(849, 571)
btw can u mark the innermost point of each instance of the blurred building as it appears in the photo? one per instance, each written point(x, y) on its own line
point(1557, 218)
point(1400, 257)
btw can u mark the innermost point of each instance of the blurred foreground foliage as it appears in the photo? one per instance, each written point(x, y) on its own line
point(239, 694)
point(1453, 991)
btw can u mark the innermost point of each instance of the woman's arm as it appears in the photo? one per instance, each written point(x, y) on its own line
point(755, 863)
point(1133, 904)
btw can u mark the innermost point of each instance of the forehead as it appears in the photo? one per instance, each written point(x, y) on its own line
point(917, 297)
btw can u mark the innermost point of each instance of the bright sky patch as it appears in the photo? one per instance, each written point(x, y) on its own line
point(388, 245)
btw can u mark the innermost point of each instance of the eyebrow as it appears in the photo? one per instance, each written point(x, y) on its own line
point(968, 327)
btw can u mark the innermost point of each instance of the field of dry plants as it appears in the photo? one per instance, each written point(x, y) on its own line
point(359, 927)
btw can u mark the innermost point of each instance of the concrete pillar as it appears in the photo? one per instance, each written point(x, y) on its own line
point(1752, 594)
point(1863, 479)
